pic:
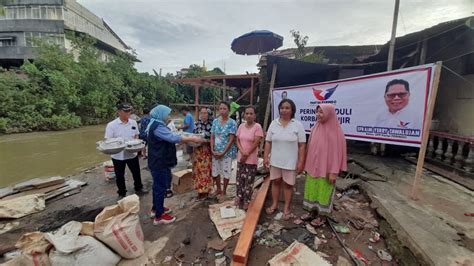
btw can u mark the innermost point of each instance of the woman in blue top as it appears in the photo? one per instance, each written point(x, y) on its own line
point(161, 158)
point(223, 147)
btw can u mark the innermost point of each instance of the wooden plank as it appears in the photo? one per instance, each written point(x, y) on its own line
point(426, 132)
point(38, 183)
point(252, 85)
point(244, 243)
point(242, 96)
point(71, 185)
point(36, 191)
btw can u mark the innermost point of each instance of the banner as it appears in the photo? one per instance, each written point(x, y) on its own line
point(386, 107)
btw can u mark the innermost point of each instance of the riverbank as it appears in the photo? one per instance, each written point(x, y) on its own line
point(42, 154)
point(24, 156)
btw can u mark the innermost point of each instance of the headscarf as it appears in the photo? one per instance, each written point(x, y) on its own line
point(327, 151)
point(158, 114)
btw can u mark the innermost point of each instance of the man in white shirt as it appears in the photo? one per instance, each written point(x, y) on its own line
point(127, 129)
point(398, 113)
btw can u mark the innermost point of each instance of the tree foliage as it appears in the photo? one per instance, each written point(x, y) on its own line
point(300, 53)
point(58, 91)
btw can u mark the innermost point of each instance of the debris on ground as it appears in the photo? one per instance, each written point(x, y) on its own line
point(275, 227)
point(216, 244)
point(311, 229)
point(278, 216)
point(22, 206)
point(221, 261)
point(341, 261)
point(375, 237)
point(342, 229)
point(5, 227)
point(227, 212)
point(356, 213)
point(230, 226)
point(31, 196)
point(346, 183)
point(298, 254)
point(75, 243)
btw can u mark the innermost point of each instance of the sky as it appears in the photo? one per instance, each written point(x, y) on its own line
point(175, 34)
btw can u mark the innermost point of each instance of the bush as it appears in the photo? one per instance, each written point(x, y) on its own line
point(62, 122)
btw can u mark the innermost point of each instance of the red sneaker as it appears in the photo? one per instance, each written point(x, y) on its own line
point(153, 212)
point(164, 219)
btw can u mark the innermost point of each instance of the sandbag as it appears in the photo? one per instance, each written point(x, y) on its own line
point(34, 251)
point(72, 249)
point(118, 226)
point(92, 253)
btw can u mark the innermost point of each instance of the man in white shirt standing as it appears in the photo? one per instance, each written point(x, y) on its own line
point(125, 127)
point(398, 113)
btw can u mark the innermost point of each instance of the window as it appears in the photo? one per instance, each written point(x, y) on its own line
point(21, 12)
point(43, 14)
point(59, 13)
point(51, 13)
point(7, 41)
point(35, 12)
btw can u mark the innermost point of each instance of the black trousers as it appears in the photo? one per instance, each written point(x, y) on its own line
point(119, 168)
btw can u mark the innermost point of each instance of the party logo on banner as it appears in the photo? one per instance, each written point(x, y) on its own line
point(323, 95)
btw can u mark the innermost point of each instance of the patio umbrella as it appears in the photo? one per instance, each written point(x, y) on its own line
point(256, 42)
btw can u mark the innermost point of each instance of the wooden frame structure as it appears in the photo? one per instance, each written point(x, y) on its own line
point(247, 82)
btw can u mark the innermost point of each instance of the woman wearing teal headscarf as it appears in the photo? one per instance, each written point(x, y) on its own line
point(161, 158)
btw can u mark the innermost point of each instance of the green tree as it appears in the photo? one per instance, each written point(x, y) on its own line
point(300, 53)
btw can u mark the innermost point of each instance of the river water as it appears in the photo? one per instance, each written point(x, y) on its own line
point(43, 154)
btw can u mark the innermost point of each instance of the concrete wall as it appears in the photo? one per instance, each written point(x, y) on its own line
point(455, 102)
point(34, 2)
point(19, 38)
point(37, 25)
point(17, 52)
point(78, 18)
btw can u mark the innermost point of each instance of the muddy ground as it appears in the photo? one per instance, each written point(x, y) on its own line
point(188, 237)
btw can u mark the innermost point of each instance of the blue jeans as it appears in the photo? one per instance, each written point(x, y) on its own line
point(161, 181)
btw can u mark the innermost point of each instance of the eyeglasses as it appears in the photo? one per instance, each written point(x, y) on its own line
point(399, 95)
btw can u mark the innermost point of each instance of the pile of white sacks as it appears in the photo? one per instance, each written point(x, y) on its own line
point(116, 233)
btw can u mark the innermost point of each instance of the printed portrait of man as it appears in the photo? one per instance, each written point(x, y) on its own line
point(398, 111)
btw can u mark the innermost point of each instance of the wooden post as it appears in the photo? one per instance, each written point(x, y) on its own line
point(196, 101)
point(269, 100)
point(391, 52)
point(426, 131)
point(251, 91)
point(424, 48)
point(224, 97)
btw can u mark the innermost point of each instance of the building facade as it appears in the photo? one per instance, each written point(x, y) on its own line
point(21, 21)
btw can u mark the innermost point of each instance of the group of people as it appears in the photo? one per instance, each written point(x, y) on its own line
point(286, 154)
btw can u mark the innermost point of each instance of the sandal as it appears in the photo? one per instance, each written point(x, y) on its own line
point(317, 222)
point(306, 216)
point(270, 210)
